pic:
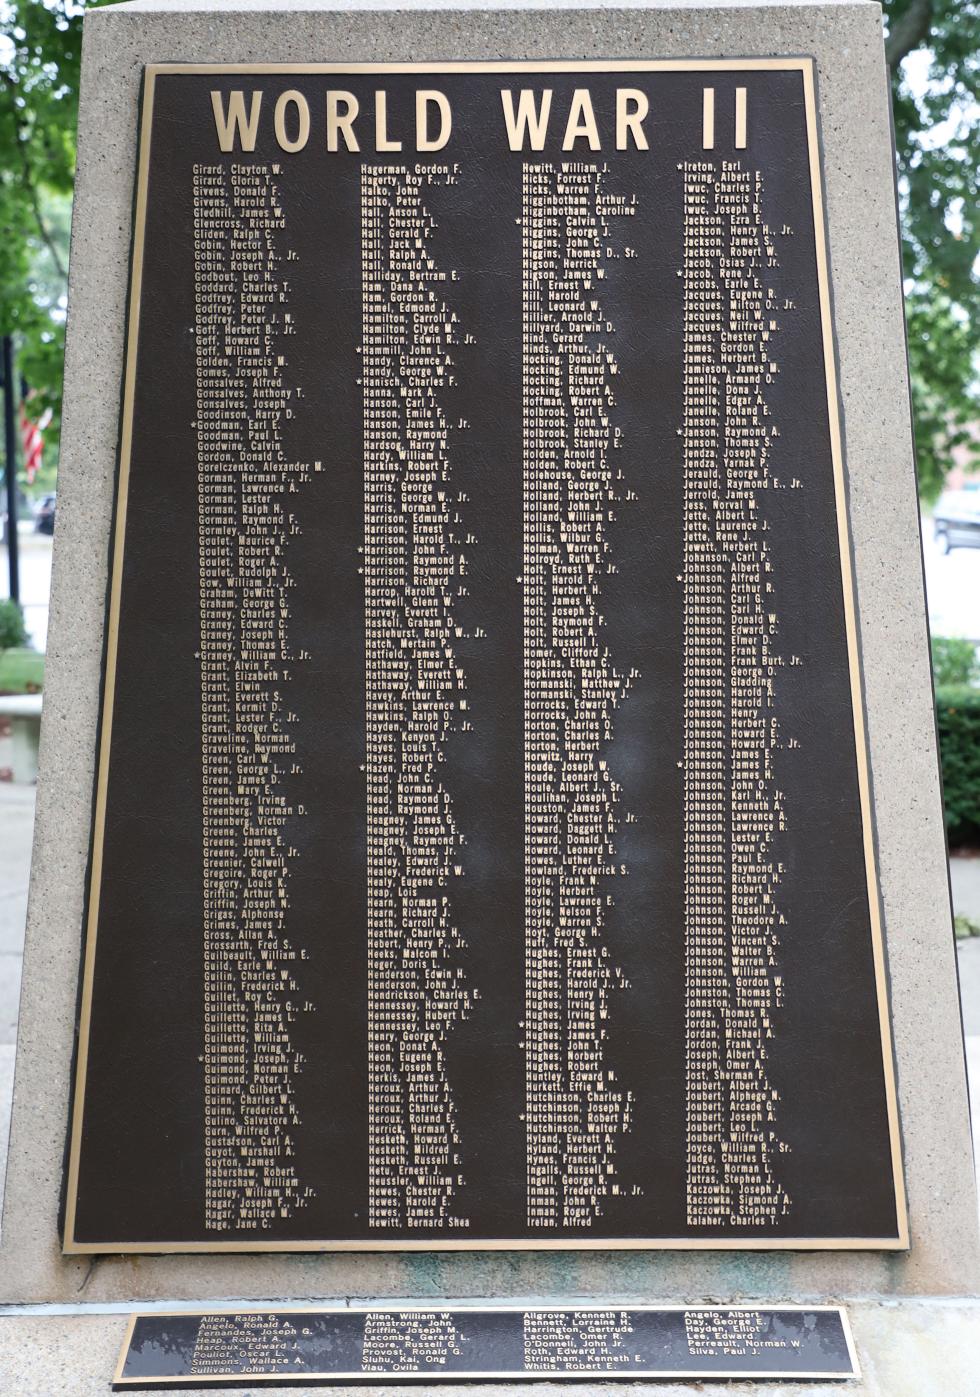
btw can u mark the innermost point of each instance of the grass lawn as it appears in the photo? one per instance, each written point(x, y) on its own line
point(21, 671)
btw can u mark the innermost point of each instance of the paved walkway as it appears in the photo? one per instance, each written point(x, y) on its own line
point(16, 828)
point(964, 875)
point(35, 581)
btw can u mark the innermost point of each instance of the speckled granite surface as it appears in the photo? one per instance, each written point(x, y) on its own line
point(919, 1347)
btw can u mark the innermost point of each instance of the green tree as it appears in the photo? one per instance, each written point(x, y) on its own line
point(954, 660)
point(937, 125)
point(39, 63)
point(40, 56)
point(12, 629)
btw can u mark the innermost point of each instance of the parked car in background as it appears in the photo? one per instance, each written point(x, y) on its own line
point(44, 515)
point(956, 518)
point(23, 507)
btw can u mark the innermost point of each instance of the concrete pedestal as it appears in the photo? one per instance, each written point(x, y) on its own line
point(908, 1342)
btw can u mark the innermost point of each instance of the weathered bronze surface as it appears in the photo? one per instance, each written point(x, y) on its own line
point(509, 1342)
point(482, 851)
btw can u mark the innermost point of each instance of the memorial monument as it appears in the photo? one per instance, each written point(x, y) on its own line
point(489, 879)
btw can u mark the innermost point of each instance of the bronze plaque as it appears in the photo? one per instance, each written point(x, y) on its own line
point(482, 850)
point(512, 1343)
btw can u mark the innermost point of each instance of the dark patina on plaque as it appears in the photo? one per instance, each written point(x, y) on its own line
point(483, 851)
point(431, 1344)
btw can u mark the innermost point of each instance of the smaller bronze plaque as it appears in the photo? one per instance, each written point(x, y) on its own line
point(503, 1342)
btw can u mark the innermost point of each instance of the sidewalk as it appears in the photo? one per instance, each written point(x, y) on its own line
point(35, 580)
point(964, 875)
point(16, 828)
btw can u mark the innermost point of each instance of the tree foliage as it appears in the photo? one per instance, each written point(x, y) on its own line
point(12, 629)
point(958, 722)
point(40, 48)
point(937, 130)
point(40, 60)
point(954, 661)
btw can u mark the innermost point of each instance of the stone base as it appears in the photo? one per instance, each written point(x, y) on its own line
point(907, 1348)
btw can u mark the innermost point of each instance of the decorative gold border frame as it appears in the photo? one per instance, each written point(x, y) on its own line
point(372, 1379)
point(900, 1242)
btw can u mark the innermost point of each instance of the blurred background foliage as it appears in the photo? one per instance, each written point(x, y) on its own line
point(954, 661)
point(932, 52)
point(932, 56)
point(40, 55)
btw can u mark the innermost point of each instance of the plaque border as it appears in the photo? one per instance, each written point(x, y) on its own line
point(483, 1375)
point(72, 1246)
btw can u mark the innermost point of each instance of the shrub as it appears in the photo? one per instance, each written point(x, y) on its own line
point(958, 715)
point(954, 660)
point(21, 672)
point(12, 629)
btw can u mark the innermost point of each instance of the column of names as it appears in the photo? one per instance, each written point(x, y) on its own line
point(252, 976)
point(414, 565)
point(575, 1109)
point(733, 808)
